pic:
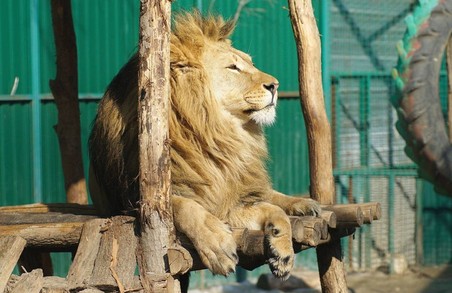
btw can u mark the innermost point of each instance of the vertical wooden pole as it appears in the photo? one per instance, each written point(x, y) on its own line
point(65, 91)
point(329, 256)
point(156, 225)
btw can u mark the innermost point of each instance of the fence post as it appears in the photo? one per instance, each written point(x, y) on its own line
point(157, 231)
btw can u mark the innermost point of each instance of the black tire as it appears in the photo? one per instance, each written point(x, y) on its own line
point(421, 122)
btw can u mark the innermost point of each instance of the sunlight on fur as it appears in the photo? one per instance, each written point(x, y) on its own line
point(219, 103)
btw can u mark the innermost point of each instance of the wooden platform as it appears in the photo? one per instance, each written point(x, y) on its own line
point(105, 258)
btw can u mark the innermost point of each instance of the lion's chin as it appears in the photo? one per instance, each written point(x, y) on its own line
point(264, 117)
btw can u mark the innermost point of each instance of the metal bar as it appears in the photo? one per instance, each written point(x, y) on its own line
point(338, 123)
point(419, 237)
point(379, 171)
point(372, 74)
point(391, 248)
point(36, 102)
point(365, 113)
point(388, 25)
point(364, 126)
point(46, 97)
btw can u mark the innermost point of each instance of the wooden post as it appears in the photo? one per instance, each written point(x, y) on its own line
point(65, 91)
point(329, 256)
point(157, 229)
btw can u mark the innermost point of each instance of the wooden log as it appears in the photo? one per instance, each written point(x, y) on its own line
point(65, 208)
point(371, 210)
point(348, 215)
point(297, 229)
point(313, 232)
point(157, 232)
point(29, 282)
point(115, 262)
point(82, 266)
point(10, 250)
point(52, 236)
point(55, 227)
point(331, 268)
point(16, 218)
point(330, 218)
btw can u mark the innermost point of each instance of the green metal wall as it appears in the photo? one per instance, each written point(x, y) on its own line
point(107, 34)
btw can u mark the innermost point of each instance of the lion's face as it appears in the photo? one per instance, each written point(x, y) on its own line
point(245, 92)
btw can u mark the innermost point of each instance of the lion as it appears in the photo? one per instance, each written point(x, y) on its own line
point(220, 103)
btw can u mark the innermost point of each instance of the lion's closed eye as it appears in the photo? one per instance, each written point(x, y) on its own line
point(234, 67)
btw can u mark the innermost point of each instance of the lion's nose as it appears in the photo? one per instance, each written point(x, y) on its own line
point(271, 87)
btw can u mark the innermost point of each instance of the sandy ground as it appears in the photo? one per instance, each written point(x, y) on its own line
point(414, 280)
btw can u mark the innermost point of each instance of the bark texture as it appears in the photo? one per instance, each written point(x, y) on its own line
point(156, 225)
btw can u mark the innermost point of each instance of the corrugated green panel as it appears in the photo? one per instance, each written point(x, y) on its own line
point(289, 149)
point(15, 45)
point(53, 180)
point(16, 176)
point(437, 223)
point(88, 109)
point(52, 175)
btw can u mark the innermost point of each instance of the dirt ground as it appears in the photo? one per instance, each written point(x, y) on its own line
point(414, 280)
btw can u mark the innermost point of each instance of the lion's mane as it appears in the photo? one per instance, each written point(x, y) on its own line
point(215, 160)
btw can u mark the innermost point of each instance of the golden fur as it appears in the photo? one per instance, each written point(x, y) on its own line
point(219, 103)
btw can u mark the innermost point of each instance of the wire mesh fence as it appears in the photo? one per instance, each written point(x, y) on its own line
point(369, 158)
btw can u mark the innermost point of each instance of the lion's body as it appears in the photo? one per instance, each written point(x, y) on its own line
point(218, 149)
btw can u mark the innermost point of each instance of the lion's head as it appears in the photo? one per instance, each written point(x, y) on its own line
point(241, 89)
point(219, 102)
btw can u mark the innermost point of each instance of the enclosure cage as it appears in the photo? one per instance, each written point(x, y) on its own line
point(369, 158)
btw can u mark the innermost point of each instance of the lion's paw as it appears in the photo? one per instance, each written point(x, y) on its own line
point(216, 246)
point(278, 244)
point(304, 207)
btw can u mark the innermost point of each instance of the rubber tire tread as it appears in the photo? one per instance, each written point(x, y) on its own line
point(421, 121)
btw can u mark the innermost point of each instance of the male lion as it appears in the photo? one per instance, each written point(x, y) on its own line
point(219, 103)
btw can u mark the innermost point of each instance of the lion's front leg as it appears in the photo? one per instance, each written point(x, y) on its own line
point(295, 206)
point(211, 237)
point(277, 230)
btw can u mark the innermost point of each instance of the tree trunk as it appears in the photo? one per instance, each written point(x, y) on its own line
point(329, 256)
point(65, 91)
point(157, 229)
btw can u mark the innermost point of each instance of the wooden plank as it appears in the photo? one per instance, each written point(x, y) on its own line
point(10, 250)
point(116, 261)
point(82, 266)
point(29, 282)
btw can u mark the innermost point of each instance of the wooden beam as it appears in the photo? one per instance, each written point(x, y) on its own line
point(10, 249)
point(83, 264)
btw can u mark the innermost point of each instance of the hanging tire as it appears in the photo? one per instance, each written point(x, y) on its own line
point(421, 122)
